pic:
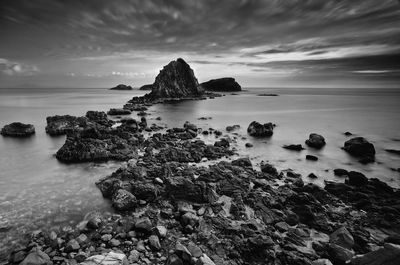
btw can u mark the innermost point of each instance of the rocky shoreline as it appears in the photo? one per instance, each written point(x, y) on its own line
point(178, 200)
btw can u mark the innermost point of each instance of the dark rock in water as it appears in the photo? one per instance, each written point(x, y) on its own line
point(227, 84)
point(312, 176)
point(248, 145)
point(222, 143)
point(316, 141)
point(360, 147)
point(146, 87)
point(119, 112)
point(232, 128)
point(269, 169)
point(18, 129)
point(293, 147)
point(257, 129)
point(340, 172)
point(121, 87)
point(357, 179)
point(393, 151)
point(176, 80)
point(123, 200)
point(267, 95)
point(348, 133)
point(311, 158)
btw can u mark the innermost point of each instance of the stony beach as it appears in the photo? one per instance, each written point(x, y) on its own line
point(179, 200)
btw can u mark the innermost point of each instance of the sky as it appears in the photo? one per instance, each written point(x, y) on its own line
point(261, 43)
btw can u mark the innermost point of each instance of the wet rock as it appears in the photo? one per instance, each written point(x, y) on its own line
point(348, 133)
point(312, 176)
point(154, 242)
point(356, 179)
point(294, 147)
point(342, 237)
point(18, 129)
point(242, 162)
point(176, 80)
point(311, 158)
point(227, 84)
point(222, 143)
point(257, 129)
point(388, 255)
point(248, 145)
point(59, 124)
point(316, 141)
point(232, 128)
point(110, 258)
point(123, 200)
point(269, 169)
point(190, 126)
point(36, 257)
point(340, 172)
point(361, 148)
point(121, 87)
point(118, 112)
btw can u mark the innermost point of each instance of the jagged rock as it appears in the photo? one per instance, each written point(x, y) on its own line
point(161, 231)
point(144, 224)
point(257, 129)
point(227, 84)
point(388, 255)
point(338, 254)
point(123, 200)
point(72, 245)
point(312, 176)
point(36, 257)
point(154, 242)
point(58, 125)
point(110, 258)
point(342, 237)
point(360, 147)
point(204, 260)
point(118, 112)
point(146, 87)
point(18, 129)
point(176, 80)
point(121, 87)
point(316, 141)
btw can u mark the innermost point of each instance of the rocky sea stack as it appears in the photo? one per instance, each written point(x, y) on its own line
point(121, 87)
point(226, 84)
point(18, 129)
point(176, 80)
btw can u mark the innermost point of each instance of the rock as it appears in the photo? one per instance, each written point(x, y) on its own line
point(36, 257)
point(154, 242)
point(322, 262)
point(190, 219)
point(134, 256)
point(123, 200)
point(269, 169)
point(294, 147)
point(174, 260)
point(357, 179)
point(360, 147)
point(340, 172)
point(115, 242)
point(194, 250)
point(82, 239)
point(248, 145)
point(146, 87)
point(257, 129)
point(311, 158)
point(144, 225)
point(292, 218)
point(190, 126)
point(282, 226)
point(72, 245)
point(338, 254)
point(316, 141)
point(242, 162)
point(121, 87)
point(183, 252)
point(110, 258)
point(204, 260)
point(312, 176)
point(18, 129)
point(393, 151)
point(227, 84)
point(348, 133)
point(106, 237)
point(222, 143)
point(114, 112)
point(232, 128)
point(267, 95)
point(161, 231)
point(342, 237)
point(176, 80)
point(388, 255)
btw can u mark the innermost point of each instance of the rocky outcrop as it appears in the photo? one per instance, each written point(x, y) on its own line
point(18, 129)
point(227, 84)
point(257, 129)
point(361, 148)
point(121, 87)
point(176, 80)
point(114, 111)
point(316, 141)
point(146, 87)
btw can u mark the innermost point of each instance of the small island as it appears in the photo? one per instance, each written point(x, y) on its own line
point(121, 87)
point(226, 84)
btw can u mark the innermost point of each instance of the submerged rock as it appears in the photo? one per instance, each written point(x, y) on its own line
point(176, 80)
point(316, 141)
point(227, 84)
point(361, 148)
point(121, 87)
point(257, 129)
point(18, 129)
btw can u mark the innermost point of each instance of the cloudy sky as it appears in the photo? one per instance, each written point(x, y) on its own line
point(269, 43)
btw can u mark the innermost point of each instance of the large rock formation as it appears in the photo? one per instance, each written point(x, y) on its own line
point(257, 129)
point(18, 129)
point(226, 84)
point(121, 87)
point(176, 80)
point(361, 148)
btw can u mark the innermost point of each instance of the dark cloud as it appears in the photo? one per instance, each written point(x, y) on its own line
point(55, 34)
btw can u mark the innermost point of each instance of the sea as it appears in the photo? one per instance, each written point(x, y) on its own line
point(38, 192)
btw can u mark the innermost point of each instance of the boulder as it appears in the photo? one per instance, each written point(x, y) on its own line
point(36, 257)
point(146, 87)
point(110, 258)
point(340, 172)
point(121, 87)
point(176, 80)
point(269, 169)
point(226, 84)
point(360, 147)
point(316, 141)
point(257, 129)
point(154, 242)
point(144, 225)
point(357, 179)
point(18, 129)
point(388, 255)
point(342, 237)
point(123, 200)
point(338, 254)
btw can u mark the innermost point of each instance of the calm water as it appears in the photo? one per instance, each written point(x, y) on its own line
point(37, 191)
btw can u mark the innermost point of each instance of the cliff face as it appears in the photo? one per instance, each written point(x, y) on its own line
point(176, 80)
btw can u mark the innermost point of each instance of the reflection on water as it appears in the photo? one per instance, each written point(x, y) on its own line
point(37, 191)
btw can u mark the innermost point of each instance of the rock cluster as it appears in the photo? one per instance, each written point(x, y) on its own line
point(257, 129)
point(227, 84)
point(18, 129)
